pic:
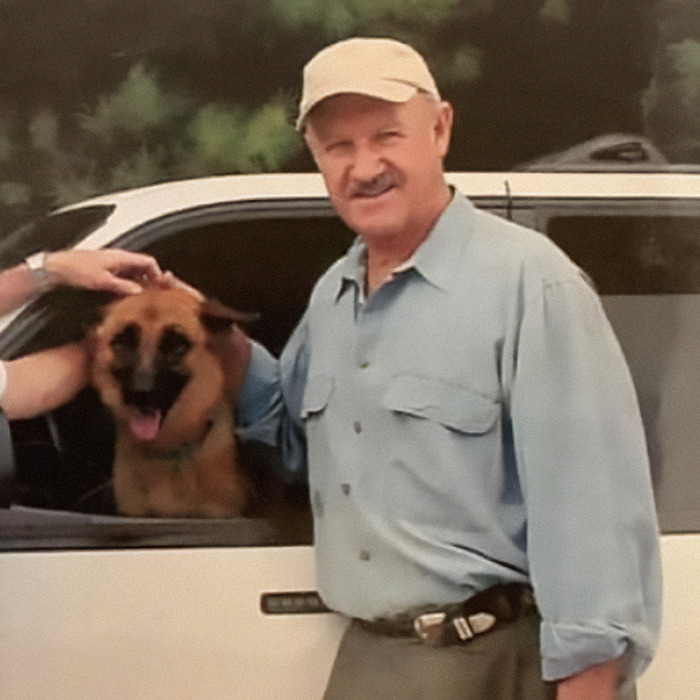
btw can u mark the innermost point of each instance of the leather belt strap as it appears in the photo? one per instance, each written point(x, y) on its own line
point(454, 624)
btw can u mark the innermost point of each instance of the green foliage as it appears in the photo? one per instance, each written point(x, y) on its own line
point(6, 141)
point(139, 134)
point(236, 140)
point(71, 188)
point(556, 11)
point(137, 106)
point(43, 131)
point(685, 58)
point(208, 86)
point(144, 167)
point(216, 134)
point(13, 194)
point(342, 18)
point(462, 65)
point(672, 102)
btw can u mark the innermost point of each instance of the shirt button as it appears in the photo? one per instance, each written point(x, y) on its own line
point(364, 555)
point(364, 365)
point(357, 427)
point(346, 489)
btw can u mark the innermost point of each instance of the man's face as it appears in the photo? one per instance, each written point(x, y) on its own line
point(382, 162)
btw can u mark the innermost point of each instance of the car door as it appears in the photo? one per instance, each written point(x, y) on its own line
point(97, 605)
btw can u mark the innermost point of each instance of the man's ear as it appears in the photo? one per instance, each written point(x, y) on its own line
point(312, 142)
point(217, 317)
point(442, 127)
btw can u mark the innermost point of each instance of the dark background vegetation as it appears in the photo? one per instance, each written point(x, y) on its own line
point(99, 95)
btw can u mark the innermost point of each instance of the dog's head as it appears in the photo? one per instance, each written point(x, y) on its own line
point(151, 350)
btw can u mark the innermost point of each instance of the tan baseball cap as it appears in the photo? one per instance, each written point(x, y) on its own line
point(382, 68)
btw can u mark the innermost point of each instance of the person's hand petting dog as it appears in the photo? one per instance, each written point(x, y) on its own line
point(44, 380)
point(112, 270)
point(167, 280)
point(120, 272)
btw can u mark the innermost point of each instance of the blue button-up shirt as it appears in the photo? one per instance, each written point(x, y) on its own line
point(472, 422)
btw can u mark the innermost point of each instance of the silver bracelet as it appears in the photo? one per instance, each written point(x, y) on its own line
point(37, 267)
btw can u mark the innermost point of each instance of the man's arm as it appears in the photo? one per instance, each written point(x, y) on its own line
point(44, 380)
point(599, 682)
point(112, 270)
point(267, 393)
point(593, 546)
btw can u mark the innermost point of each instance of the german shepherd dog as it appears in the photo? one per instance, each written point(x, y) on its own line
point(175, 449)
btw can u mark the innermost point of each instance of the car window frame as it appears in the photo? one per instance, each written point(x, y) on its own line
point(100, 531)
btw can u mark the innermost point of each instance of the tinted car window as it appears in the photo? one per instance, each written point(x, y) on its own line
point(634, 254)
point(63, 461)
point(647, 269)
point(266, 266)
point(54, 232)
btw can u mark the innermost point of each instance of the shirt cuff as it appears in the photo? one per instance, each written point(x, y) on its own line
point(569, 649)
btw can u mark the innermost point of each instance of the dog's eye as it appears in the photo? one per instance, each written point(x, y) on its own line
point(126, 343)
point(174, 345)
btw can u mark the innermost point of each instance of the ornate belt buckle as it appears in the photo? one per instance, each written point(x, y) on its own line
point(430, 628)
point(478, 623)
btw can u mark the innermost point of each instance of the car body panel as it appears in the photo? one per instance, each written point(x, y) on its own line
point(171, 624)
point(160, 624)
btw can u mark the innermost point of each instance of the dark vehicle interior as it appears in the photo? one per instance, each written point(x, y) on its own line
point(62, 461)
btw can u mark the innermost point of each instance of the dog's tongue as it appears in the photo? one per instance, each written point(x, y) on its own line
point(145, 426)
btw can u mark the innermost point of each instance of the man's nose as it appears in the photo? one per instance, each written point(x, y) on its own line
point(367, 163)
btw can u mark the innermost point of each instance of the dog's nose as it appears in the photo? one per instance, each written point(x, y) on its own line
point(142, 381)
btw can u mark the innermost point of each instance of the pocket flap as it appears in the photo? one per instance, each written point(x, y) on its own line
point(317, 394)
point(452, 406)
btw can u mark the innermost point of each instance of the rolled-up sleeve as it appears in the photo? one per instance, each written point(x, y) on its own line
point(259, 403)
point(592, 534)
point(269, 405)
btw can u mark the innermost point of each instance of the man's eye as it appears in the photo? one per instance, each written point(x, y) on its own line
point(338, 147)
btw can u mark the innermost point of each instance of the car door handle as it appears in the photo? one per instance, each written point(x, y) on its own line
point(292, 603)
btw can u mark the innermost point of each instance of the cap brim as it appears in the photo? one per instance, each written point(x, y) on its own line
point(390, 91)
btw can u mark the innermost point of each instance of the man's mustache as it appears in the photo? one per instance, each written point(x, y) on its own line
point(373, 187)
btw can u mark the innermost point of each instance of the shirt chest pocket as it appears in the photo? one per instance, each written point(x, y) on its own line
point(453, 407)
point(317, 394)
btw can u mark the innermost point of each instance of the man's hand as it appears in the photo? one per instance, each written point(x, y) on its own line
point(111, 270)
point(599, 682)
point(168, 281)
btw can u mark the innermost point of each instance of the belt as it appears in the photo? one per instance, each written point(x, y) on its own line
point(455, 624)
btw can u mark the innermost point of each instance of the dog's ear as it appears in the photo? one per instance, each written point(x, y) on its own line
point(216, 317)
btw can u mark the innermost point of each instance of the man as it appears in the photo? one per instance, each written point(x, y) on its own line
point(470, 426)
point(39, 382)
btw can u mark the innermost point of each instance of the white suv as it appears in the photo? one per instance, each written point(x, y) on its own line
point(94, 605)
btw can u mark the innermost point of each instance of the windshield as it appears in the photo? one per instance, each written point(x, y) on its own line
point(61, 230)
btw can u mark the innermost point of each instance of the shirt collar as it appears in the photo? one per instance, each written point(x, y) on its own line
point(436, 259)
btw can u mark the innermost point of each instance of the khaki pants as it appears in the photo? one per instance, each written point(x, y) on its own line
point(500, 665)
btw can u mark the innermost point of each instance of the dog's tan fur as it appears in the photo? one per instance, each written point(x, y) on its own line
point(190, 469)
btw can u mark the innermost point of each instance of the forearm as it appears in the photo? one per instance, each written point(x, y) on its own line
point(598, 682)
point(17, 285)
point(45, 380)
point(111, 270)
